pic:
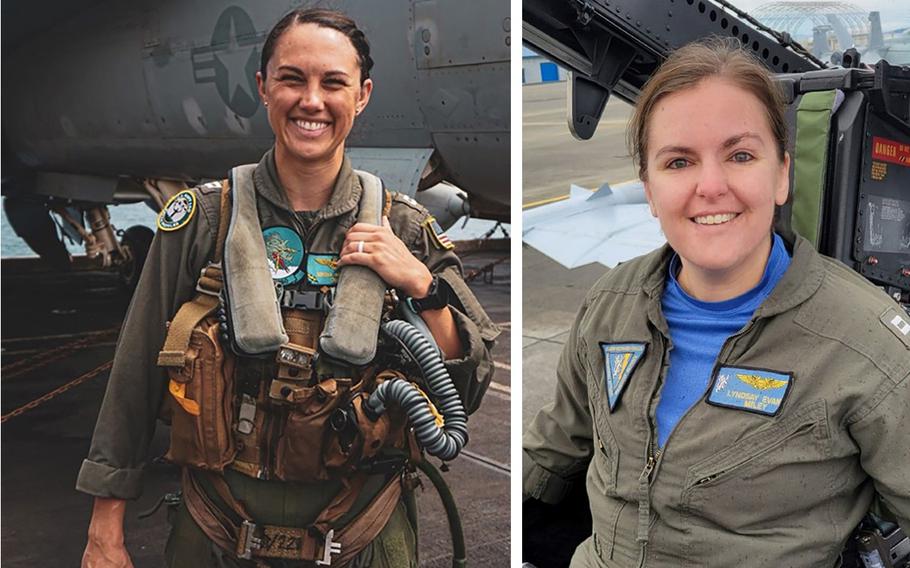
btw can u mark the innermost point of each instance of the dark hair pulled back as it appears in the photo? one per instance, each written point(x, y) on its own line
point(326, 19)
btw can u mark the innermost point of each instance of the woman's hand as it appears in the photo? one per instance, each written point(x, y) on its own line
point(383, 252)
point(387, 256)
point(105, 547)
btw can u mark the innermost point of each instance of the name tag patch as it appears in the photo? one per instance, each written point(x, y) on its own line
point(322, 269)
point(756, 390)
point(619, 362)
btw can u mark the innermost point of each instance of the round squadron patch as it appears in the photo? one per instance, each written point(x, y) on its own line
point(284, 253)
point(178, 211)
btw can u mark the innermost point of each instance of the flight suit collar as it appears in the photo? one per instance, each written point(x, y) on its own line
point(345, 195)
point(656, 270)
point(801, 280)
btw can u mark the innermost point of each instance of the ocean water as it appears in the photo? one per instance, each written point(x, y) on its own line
point(122, 217)
point(125, 216)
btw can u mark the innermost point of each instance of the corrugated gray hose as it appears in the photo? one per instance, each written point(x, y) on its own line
point(444, 443)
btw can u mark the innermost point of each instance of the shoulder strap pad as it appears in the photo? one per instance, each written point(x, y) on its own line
point(254, 316)
point(373, 201)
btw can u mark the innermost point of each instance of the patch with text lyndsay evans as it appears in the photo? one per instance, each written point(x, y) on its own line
point(756, 390)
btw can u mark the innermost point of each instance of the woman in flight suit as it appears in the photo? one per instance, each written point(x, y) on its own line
point(735, 398)
point(314, 82)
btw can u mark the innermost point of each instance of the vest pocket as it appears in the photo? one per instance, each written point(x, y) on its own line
point(201, 394)
point(308, 428)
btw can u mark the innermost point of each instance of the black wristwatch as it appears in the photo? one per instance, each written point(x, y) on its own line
point(437, 297)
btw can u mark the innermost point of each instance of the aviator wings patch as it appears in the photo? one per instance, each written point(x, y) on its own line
point(756, 390)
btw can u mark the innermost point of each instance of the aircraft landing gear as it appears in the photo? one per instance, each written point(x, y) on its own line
point(127, 255)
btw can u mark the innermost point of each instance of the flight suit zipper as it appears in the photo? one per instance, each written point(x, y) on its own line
point(652, 466)
point(645, 479)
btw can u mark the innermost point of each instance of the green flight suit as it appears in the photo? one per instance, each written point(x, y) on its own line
point(137, 385)
point(732, 487)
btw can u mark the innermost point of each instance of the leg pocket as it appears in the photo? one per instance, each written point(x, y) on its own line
point(396, 545)
point(187, 546)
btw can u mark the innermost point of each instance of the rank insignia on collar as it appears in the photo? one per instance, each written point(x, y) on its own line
point(897, 324)
point(755, 390)
point(322, 269)
point(437, 235)
point(619, 362)
point(178, 211)
point(284, 254)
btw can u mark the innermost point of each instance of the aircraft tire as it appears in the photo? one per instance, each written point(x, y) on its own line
point(138, 239)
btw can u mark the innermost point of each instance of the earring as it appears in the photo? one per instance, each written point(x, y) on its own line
point(265, 103)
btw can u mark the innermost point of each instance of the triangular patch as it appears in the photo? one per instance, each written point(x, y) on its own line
point(619, 362)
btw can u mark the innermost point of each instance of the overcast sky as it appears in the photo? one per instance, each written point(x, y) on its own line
point(890, 6)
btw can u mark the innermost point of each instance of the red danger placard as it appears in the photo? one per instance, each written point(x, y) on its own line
point(890, 151)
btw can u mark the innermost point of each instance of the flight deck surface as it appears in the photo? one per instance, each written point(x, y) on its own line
point(552, 161)
point(59, 334)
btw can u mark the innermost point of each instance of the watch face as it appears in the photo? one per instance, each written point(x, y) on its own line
point(433, 289)
point(437, 297)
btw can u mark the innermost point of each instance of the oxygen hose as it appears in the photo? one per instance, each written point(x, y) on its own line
point(442, 442)
point(459, 550)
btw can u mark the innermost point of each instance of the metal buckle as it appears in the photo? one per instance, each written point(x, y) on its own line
point(247, 414)
point(296, 356)
point(199, 287)
point(328, 549)
point(248, 541)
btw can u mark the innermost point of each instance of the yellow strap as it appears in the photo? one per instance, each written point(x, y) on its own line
point(440, 419)
point(179, 392)
point(388, 204)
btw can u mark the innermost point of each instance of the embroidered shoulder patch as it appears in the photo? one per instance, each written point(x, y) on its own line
point(619, 362)
point(756, 390)
point(322, 269)
point(898, 324)
point(178, 211)
point(437, 235)
point(284, 254)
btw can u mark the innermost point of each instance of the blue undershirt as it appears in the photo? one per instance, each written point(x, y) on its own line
point(698, 330)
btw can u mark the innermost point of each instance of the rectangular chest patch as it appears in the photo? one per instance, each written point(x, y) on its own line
point(619, 362)
point(322, 269)
point(755, 390)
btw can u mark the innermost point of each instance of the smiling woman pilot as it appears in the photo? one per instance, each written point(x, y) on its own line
point(268, 478)
point(733, 396)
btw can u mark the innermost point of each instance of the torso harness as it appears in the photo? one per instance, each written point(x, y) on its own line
point(295, 407)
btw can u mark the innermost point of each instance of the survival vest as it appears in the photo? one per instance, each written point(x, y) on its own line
point(291, 417)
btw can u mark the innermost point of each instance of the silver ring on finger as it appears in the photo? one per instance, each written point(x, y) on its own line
point(359, 246)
